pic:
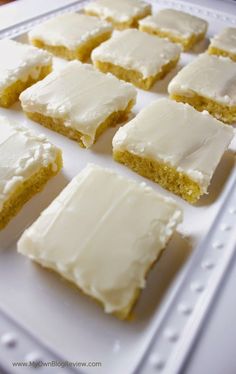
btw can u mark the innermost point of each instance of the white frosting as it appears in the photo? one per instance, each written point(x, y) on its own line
point(175, 22)
point(19, 61)
point(226, 40)
point(112, 236)
point(136, 50)
point(176, 134)
point(209, 76)
point(70, 30)
point(119, 11)
point(22, 153)
point(80, 95)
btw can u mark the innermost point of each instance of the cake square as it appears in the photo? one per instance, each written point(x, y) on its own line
point(122, 14)
point(79, 102)
point(104, 252)
point(136, 57)
point(208, 83)
point(71, 36)
point(21, 65)
point(177, 26)
point(224, 44)
point(174, 145)
point(27, 162)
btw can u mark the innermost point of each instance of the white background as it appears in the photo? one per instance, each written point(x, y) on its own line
point(215, 349)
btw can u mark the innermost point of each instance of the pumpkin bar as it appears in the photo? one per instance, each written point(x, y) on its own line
point(136, 57)
point(106, 253)
point(174, 145)
point(27, 162)
point(79, 102)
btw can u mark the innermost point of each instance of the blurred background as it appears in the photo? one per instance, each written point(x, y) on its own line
point(5, 1)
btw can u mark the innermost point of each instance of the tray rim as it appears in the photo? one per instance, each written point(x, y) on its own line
point(219, 239)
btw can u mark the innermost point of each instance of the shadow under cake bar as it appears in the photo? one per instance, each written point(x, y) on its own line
point(71, 35)
point(174, 145)
point(79, 102)
point(208, 83)
point(104, 252)
point(21, 65)
point(27, 162)
point(136, 57)
point(177, 26)
point(122, 14)
point(224, 44)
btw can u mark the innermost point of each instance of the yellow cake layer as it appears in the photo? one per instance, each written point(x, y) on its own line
point(57, 125)
point(82, 53)
point(132, 23)
point(220, 52)
point(133, 76)
point(222, 112)
point(187, 43)
point(11, 94)
point(26, 190)
point(163, 174)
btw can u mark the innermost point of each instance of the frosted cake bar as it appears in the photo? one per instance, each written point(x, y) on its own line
point(224, 44)
point(21, 65)
point(174, 145)
point(122, 14)
point(208, 83)
point(136, 57)
point(79, 102)
point(71, 35)
point(177, 26)
point(106, 253)
point(27, 161)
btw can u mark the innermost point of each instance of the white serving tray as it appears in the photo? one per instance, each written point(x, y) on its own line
point(43, 319)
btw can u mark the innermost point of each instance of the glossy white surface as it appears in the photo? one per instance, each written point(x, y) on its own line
point(213, 77)
point(119, 11)
point(80, 95)
point(107, 252)
point(124, 342)
point(225, 40)
point(135, 50)
point(31, 153)
point(178, 135)
point(176, 23)
point(19, 62)
point(70, 30)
